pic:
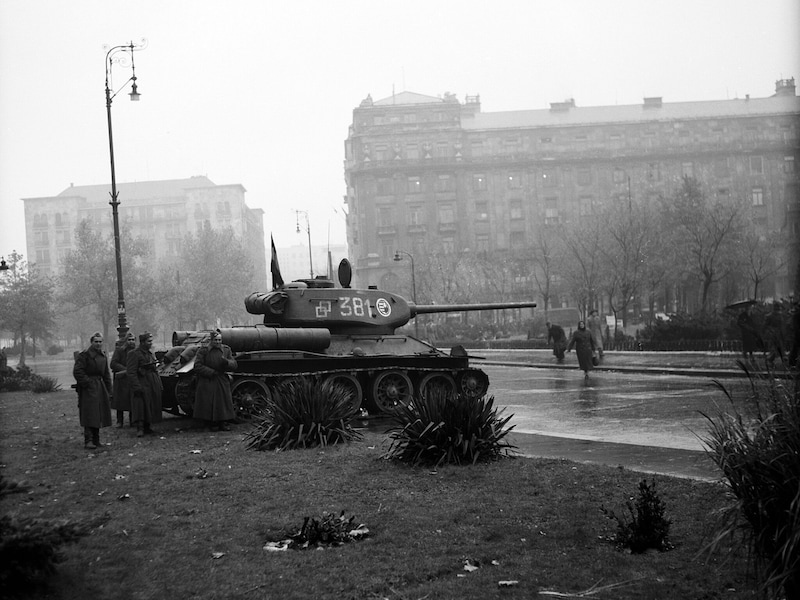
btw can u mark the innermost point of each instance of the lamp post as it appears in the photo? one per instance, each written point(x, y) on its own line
point(308, 229)
point(119, 55)
point(398, 258)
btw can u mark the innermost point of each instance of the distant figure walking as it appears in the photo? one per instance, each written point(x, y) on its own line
point(595, 325)
point(121, 400)
point(583, 342)
point(145, 386)
point(773, 334)
point(213, 401)
point(559, 339)
point(751, 339)
point(93, 379)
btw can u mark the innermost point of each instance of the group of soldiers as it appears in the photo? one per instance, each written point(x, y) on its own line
point(132, 383)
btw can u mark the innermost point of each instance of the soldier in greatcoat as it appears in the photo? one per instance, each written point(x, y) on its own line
point(93, 379)
point(213, 401)
point(145, 386)
point(121, 400)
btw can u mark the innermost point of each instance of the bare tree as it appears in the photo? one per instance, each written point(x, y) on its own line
point(583, 261)
point(761, 258)
point(704, 234)
point(545, 254)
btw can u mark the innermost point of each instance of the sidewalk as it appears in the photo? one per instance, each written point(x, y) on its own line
point(701, 364)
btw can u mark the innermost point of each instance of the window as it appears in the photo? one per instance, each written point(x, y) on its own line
point(414, 185)
point(381, 152)
point(687, 169)
point(448, 244)
point(479, 183)
point(42, 256)
point(412, 151)
point(585, 206)
point(549, 177)
point(514, 181)
point(385, 216)
point(758, 197)
point(482, 211)
point(584, 176)
point(388, 246)
point(517, 239)
point(756, 165)
point(445, 183)
point(385, 187)
point(619, 176)
point(546, 140)
point(515, 209)
point(58, 220)
point(442, 149)
point(415, 215)
point(482, 242)
point(447, 213)
point(476, 148)
point(62, 237)
point(40, 238)
point(551, 211)
point(653, 172)
point(721, 167)
point(788, 164)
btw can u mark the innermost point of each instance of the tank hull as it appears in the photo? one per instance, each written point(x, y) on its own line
point(382, 372)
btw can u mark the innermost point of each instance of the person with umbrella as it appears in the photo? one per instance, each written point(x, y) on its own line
point(751, 338)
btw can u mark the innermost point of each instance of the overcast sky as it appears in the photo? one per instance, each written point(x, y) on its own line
point(261, 93)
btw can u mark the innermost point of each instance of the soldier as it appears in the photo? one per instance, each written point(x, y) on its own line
point(213, 401)
point(121, 400)
point(145, 386)
point(93, 379)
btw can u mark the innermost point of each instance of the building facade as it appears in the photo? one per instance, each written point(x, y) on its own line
point(162, 212)
point(426, 172)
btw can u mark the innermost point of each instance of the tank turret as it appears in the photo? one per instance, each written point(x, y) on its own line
point(313, 327)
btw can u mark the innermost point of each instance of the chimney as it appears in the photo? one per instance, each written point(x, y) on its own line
point(562, 106)
point(785, 87)
point(652, 102)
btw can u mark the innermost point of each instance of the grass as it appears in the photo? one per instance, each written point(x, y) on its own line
point(186, 514)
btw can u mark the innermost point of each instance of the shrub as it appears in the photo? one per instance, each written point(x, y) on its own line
point(684, 327)
point(54, 349)
point(30, 548)
point(758, 456)
point(645, 525)
point(304, 412)
point(44, 385)
point(448, 428)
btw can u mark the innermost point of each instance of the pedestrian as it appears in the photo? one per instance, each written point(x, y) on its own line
point(121, 400)
point(751, 339)
point(213, 401)
point(93, 379)
point(583, 342)
point(595, 325)
point(773, 334)
point(145, 385)
point(559, 338)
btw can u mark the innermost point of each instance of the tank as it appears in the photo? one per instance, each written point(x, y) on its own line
point(312, 327)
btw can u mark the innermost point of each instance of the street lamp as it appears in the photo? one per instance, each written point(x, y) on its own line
point(308, 229)
point(398, 258)
point(119, 55)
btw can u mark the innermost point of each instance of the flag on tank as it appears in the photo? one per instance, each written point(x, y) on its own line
point(277, 279)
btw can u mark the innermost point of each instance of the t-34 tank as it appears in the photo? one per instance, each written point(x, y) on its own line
point(348, 335)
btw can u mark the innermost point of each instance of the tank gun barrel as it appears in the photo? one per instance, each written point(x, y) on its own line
point(423, 309)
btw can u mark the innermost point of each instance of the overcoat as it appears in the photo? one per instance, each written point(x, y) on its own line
point(93, 379)
point(583, 342)
point(595, 325)
point(145, 386)
point(213, 401)
point(556, 333)
point(121, 399)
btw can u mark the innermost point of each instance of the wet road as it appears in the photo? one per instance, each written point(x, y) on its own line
point(626, 408)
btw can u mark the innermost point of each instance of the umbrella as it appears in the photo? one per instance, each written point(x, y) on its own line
point(741, 304)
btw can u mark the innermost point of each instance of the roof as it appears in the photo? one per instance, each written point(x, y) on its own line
point(140, 190)
point(634, 113)
point(407, 98)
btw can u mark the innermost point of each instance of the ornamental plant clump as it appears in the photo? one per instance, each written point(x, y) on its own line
point(448, 428)
point(758, 450)
point(645, 527)
point(327, 531)
point(304, 412)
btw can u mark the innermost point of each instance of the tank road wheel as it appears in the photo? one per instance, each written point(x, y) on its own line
point(351, 385)
point(391, 390)
point(472, 383)
point(250, 397)
point(437, 381)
